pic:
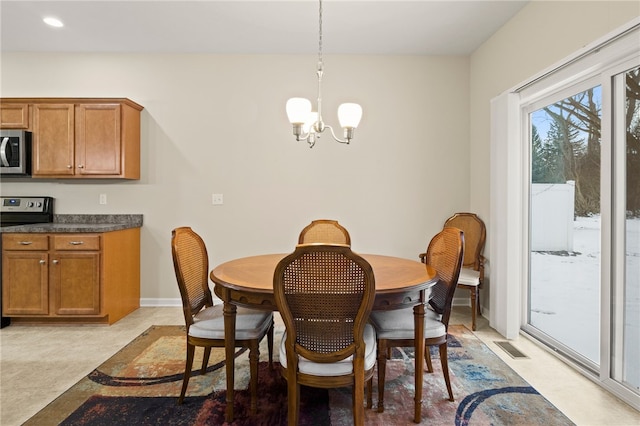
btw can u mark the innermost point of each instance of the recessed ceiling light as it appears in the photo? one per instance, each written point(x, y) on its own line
point(54, 22)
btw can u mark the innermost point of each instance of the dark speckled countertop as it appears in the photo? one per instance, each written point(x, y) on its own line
point(81, 223)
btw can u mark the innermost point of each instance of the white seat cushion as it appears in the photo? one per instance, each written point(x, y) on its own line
point(250, 324)
point(339, 368)
point(399, 324)
point(469, 277)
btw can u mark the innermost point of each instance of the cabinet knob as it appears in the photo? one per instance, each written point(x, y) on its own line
point(81, 166)
point(68, 166)
point(56, 261)
point(25, 243)
point(42, 262)
point(76, 243)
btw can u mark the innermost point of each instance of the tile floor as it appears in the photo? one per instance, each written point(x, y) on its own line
point(39, 363)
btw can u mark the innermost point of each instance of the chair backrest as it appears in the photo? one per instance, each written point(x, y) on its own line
point(191, 264)
point(324, 231)
point(324, 294)
point(445, 254)
point(475, 235)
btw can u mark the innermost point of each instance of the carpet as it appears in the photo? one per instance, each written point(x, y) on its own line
point(139, 386)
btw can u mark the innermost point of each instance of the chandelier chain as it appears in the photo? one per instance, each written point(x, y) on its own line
point(320, 33)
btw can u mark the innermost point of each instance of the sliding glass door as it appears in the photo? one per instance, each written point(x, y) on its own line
point(565, 222)
point(583, 290)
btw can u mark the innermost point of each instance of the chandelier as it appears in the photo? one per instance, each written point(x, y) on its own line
point(307, 124)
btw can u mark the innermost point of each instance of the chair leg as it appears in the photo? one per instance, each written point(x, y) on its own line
point(358, 397)
point(293, 397)
point(205, 359)
point(187, 372)
point(474, 306)
point(270, 344)
point(369, 386)
point(427, 358)
point(445, 368)
point(254, 356)
point(382, 366)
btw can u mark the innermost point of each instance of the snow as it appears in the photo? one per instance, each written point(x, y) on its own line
point(565, 294)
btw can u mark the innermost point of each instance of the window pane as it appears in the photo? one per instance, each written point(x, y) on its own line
point(564, 287)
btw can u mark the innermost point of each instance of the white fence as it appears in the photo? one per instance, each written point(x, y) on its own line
point(552, 212)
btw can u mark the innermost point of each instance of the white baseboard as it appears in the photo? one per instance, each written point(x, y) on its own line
point(148, 302)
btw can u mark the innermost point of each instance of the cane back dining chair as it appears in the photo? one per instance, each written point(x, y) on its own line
point(204, 321)
point(325, 294)
point(324, 231)
point(472, 272)
point(395, 328)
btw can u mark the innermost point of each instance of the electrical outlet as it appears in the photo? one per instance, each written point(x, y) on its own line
point(103, 198)
point(216, 199)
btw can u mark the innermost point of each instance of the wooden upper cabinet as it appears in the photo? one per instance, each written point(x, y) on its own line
point(98, 139)
point(14, 115)
point(53, 140)
point(82, 137)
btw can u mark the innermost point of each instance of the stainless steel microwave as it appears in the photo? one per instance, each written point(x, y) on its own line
point(15, 152)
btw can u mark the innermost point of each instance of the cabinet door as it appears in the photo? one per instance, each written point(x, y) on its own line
point(98, 139)
point(25, 288)
point(14, 116)
point(75, 283)
point(53, 139)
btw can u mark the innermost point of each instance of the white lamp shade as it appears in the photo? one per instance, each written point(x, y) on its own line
point(298, 110)
point(312, 117)
point(349, 115)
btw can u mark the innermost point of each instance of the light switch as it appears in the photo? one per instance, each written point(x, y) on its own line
point(103, 198)
point(217, 200)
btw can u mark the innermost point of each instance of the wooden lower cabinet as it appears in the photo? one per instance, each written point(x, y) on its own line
point(25, 283)
point(75, 283)
point(71, 278)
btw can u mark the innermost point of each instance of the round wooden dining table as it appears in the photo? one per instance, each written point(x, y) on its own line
point(248, 282)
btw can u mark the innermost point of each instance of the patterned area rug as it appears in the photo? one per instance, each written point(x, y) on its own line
point(139, 386)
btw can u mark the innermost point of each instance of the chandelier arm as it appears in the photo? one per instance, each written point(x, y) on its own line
point(326, 126)
point(302, 137)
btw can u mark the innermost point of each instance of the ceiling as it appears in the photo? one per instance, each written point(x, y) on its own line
point(395, 27)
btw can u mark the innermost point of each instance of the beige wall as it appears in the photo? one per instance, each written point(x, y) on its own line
point(217, 124)
point(537, 38)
